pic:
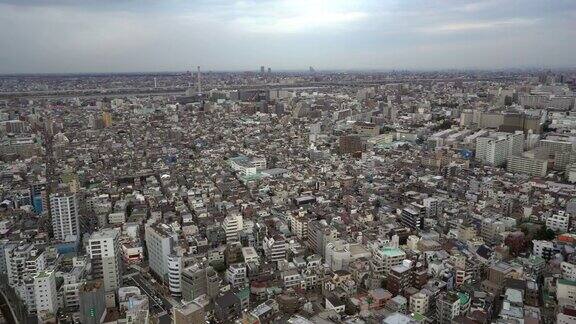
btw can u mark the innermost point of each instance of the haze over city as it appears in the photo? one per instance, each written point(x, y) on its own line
point(64, 36)
point(287, 161)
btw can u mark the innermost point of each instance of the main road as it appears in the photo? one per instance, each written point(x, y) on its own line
point(6, 309)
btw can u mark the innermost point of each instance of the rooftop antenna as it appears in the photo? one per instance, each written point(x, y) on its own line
point(199, 81)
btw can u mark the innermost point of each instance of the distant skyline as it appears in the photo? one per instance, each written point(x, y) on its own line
point(81, 36)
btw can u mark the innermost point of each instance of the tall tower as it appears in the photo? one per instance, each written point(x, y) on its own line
point(199, 81)
point(64, 210)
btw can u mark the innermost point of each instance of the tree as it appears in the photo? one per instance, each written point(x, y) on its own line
point(442, 126)
point(218, 266)
point(516, 242)
point(545, 234)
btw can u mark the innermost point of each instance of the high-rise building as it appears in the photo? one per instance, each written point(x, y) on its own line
point(319, 235)
point(515, 143)
point(528, 163)
point(491, 229)
point(159, 242)
point(559, 222)
point(498, 147)
point(275, 247)
point(23, 262)
point(384, 258)
point(175, 264)
point(45, 293)
point(412, 218)
point(199, 280)
point(398, 279)
point(64, 210)
point(233, 224)
point(491, 150)
point(104, 251)
point(106, 119)
point(433, 207)
point(262, 69)
point(419, 303)
point(350, 144)
point(447, 307)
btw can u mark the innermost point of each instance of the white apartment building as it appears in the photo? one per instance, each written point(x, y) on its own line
point(275, 247)
point(558, 222)
point(236, 275)
point(491, 230)
point(337, 255)
point(22, 264)
point(542, 249)
point(384, 258)
point(496, 148)
point(491, 151)
point(64, 210)
point(106, 257)
point(299, 225)
point(419, 303)
point(529, 164)
point(117, 218)
point(159, 240)
point(175, 265)
point(433, 206)
point(45, 295)
point(568, 270)
point(233, 224)
point(566, 290)
point(250, 254)
point(291, 278)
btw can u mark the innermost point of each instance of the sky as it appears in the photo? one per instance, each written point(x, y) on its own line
point(67, 36)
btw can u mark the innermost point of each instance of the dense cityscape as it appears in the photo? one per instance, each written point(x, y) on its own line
point(288, 197)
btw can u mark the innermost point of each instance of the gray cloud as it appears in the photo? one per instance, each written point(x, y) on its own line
point(151, 35)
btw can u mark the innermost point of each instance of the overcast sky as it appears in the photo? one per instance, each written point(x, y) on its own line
point(176, 35)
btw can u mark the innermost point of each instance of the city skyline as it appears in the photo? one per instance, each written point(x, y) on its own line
point(128, 36)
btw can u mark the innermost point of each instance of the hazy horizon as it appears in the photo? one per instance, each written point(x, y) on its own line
point(148, 36)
